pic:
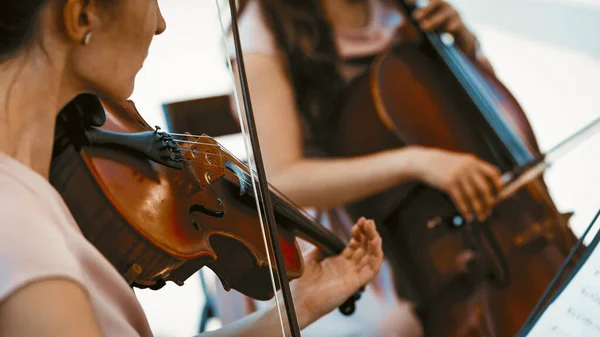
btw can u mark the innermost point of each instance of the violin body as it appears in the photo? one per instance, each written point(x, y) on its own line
point(483, 279)
point(155, 223)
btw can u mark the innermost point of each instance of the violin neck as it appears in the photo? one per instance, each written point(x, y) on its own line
point(304, 225)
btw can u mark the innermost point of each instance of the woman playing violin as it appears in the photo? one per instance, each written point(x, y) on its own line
point(295, 52)
point(53, 281)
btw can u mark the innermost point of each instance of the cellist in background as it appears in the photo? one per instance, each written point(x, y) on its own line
point(295, 52)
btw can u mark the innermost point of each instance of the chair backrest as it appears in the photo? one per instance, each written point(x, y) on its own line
point(210, 115)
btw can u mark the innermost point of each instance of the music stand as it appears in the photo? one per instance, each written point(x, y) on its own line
point(209, 115)
point(532, 329)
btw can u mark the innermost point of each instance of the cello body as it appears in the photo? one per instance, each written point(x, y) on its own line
point(482, 279)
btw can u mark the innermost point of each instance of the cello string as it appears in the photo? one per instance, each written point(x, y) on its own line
point(480, 96)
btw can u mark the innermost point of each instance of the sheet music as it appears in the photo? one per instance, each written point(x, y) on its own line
point(576, 311)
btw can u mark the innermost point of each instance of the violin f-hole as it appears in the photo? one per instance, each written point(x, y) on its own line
point(207, 210)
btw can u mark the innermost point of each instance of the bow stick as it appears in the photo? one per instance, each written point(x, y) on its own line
point(263, 188)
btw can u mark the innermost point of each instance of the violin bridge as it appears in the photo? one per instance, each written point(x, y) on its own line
point(206, 159)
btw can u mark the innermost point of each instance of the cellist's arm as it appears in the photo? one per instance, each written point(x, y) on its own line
point(334, 181)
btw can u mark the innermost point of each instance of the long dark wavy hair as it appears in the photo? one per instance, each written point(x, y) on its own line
point(305, 37)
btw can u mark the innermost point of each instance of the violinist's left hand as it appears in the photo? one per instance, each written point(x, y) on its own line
point(438, 14)
point(329, 282)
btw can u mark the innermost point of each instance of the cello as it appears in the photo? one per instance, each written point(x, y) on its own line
point(475, 279)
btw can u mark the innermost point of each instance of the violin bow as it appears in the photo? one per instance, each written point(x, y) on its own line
point(263, 188)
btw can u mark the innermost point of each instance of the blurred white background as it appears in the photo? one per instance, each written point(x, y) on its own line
point(547, 52)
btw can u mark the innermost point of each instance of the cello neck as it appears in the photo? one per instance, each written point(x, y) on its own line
point(478, 91)
point(476, 88)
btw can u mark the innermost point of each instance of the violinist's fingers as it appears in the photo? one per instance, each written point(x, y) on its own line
point(370, 266)
point(374, 254)
point(361, 251)
point(364, 236)
point(358, 255)
point(357, 228)
point(371, 230)
point(460, 202)
point(315, 255)
point(364, 261)
point(374, 238)
point(437, 19)
point(350, 249)
point(472, 193)
point(363, 233)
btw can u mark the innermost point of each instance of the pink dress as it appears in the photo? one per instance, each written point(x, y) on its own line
point(39, 239)
point(379, 312)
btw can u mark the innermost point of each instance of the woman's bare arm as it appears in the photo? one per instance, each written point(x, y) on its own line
point(50, 308)
point(311, 182)
point(327, 182)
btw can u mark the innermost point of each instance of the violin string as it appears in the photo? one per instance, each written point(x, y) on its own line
point(199, 152)
point(221, 148)
point(193, 142)
point(190, 161)
point(186, 135)
point(200, 143)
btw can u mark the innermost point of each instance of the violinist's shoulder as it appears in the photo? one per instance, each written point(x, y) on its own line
point(27, 197)
point(34, 243)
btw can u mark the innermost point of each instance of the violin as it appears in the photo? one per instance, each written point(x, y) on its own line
point(476, 279)
point(161, 206)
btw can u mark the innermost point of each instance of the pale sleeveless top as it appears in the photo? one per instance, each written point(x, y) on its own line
point(39, 240)
point(352, 43)
point(380, 299)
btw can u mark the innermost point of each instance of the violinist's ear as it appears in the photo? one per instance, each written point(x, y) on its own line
point(79, 19)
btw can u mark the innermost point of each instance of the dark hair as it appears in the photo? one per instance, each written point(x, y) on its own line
point(18, 23)
point(305, 37)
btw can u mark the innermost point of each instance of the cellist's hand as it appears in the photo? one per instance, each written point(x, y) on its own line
point(472, 183)
point(329, 282)
point(439, 14)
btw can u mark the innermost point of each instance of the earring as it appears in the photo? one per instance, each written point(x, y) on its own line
point(86, 38)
